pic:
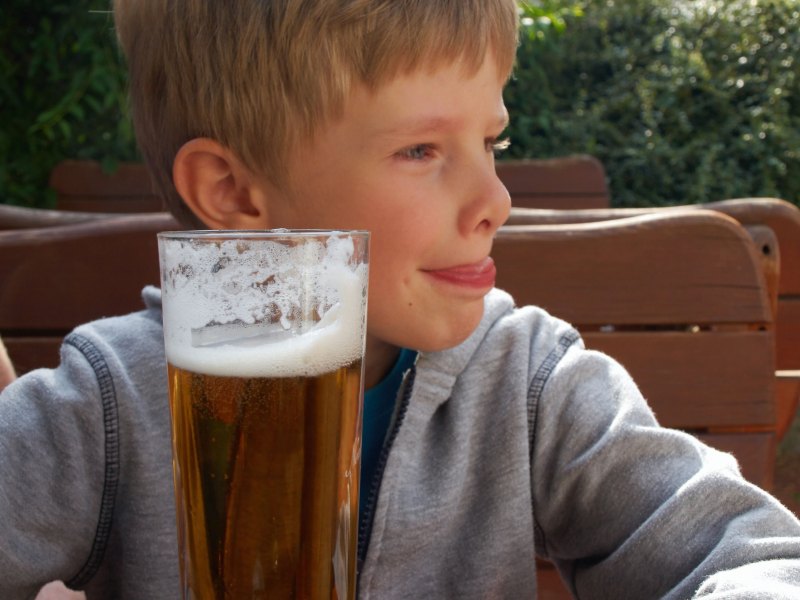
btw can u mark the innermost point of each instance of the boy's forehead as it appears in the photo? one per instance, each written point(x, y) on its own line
point(422, 101)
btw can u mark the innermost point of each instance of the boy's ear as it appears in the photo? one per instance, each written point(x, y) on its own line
point(217, 186)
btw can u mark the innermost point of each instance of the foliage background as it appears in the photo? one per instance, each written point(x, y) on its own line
point(682, 100)
point(62, 94)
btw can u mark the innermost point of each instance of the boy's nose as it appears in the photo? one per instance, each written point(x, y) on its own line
point(489, 204)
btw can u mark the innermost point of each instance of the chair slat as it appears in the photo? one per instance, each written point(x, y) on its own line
point(692, 267)
point(58, 277)
point(84, 186)
point(704, 380)
point(33, 352)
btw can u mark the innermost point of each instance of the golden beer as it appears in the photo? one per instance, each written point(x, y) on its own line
point(264, 335)
point(257, 464)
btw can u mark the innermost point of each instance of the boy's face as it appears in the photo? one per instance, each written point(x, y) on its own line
point(413, 163)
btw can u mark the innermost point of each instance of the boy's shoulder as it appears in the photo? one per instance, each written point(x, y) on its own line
point(147, 320)
point(507, 324)
point(131, 341)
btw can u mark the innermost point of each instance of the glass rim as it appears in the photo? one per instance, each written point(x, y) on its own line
point(255, 234)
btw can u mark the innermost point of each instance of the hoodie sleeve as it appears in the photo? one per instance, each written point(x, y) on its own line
point(54, 446)
point(626, 508)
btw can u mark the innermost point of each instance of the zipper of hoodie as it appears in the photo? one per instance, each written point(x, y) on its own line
point(367, 514)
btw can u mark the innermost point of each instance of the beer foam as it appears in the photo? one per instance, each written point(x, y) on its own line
point(230, 310)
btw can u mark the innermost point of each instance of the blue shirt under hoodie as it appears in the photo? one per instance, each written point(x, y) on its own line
point(379, 402)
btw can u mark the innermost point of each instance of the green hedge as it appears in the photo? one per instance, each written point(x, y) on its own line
point(62, 94)
point(683, 101)
point(680, 104)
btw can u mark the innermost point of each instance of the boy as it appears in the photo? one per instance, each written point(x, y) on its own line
point(507, 438)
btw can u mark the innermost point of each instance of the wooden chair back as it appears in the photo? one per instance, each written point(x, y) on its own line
point(569, 182)
point(84, 186)
point(782, 218)
point(55, 278)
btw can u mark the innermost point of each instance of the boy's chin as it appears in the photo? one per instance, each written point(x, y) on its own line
point(434, 331)
point(458, 332)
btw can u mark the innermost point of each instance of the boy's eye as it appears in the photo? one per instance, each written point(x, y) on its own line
point(417, 152)
point(423, 151)
point(497, 146)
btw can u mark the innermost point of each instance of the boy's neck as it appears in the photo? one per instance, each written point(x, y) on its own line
point(378, 361)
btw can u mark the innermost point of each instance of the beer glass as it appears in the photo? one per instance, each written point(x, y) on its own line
point(264, 336)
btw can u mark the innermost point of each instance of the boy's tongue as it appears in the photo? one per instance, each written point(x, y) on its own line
point(479, 274)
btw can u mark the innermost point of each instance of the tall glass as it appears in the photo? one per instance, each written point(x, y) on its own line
point(264, 335)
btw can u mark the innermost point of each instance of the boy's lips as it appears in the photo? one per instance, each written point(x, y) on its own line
point(476, 275)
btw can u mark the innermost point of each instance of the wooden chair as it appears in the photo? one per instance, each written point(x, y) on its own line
point(55, 278)
point(20, 217)
point(681, 299)
point(691, 321)
point(600, 276)
point(783, 218)
point(84, 186)
point(569, 182)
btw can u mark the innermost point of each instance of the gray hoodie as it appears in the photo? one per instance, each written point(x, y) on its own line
point(517, 442)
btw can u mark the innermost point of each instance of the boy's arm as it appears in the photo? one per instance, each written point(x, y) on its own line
point(7, 374)
point(625, 507)
point(51, 475)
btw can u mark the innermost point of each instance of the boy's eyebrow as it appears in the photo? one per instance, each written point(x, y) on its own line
point(433, 124)
point(419, 126)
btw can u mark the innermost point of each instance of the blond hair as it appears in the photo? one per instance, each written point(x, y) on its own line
point(259, 76)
